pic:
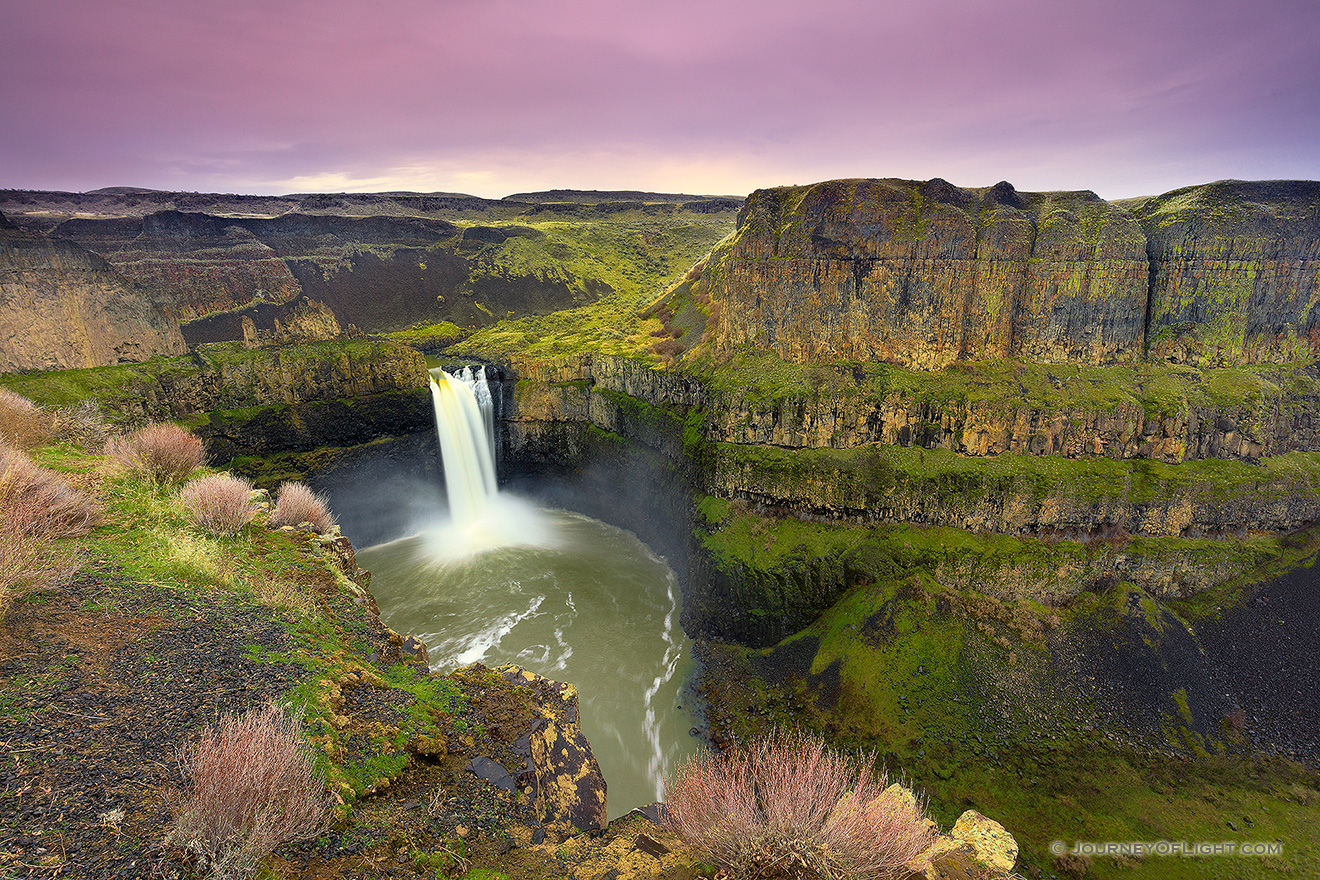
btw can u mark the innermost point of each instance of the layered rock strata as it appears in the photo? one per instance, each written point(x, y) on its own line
point(62, 306)
point(925, 274)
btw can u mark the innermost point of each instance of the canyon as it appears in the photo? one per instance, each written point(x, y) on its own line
point(983, 478)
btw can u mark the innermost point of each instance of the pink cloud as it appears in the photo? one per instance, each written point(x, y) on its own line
point(230, 95)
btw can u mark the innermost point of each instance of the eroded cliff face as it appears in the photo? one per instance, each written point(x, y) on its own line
point(62, 306)
point(924, 274)
point(1234, 271)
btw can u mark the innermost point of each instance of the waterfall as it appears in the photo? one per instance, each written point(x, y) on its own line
point(480, 519)
point(465, 425)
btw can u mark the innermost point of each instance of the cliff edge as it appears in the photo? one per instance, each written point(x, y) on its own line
point(924, 274)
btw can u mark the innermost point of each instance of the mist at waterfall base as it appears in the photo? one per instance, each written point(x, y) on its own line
point(496, 579)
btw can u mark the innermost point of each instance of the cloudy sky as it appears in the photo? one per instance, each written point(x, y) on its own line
point(1125, 97)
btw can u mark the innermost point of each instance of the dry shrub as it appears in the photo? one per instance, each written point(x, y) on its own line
point(296, 503)
point(219, 504)
point(252, 787)
point(789, 805)
point(37, 506)
point(29, 563)
point(164, 452)
point(23, 425)
point(83, 425)
point(40, 502)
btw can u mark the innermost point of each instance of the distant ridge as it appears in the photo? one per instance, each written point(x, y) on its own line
point(122, 191)
point(597, 196)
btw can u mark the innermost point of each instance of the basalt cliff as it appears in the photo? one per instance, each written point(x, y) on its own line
point(925, 274)
point(63, 306)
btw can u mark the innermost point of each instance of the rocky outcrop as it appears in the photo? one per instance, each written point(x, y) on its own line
point(976, 848)
point(1235, 271)
point(568, 788)
point(924, 274)
point(62, 306)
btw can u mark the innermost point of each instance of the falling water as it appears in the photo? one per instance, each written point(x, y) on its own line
point(464, 424)
point(571, 598)
point(480, 518)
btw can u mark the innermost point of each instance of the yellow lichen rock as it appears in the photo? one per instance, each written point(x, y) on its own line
point(977, 848)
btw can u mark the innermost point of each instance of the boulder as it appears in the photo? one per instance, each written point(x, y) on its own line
point(568, 788)
point(977, 848)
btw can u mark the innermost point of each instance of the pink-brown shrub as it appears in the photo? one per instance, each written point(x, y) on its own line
point(220, 504)
point(296, 503)
point(37, 506)
point(789, 804)
point(251, 788)
point(39, 498)
point(163, 452)
point(29, 562)
point(23, 425)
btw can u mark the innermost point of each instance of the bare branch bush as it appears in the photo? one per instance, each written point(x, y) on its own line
point(29, 562)
point(82, 424)
point(251, 789)
point(163, 452)
point(788, 804)
point(54, 509)
point(296, 503)
point(219, 504)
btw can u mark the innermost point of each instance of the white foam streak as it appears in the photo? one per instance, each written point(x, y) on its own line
point(489, 640)
point(657, 765)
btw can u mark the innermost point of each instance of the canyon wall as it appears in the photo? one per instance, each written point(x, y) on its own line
point(380, 261)
point(62, 306)
point(924, 274)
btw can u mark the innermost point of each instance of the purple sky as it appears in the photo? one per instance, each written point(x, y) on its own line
point(1125, 97)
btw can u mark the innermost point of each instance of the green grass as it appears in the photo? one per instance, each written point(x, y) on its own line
point(126, 390)
point(1157, 390)
point(627, 262)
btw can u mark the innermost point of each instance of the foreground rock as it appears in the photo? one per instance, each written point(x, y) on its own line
point(976, 849)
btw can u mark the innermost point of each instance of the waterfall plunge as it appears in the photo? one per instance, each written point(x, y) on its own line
point(480, 518)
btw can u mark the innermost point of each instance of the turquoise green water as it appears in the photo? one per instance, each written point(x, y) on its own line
point(590, 605)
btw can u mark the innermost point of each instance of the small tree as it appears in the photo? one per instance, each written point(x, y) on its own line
point(251, 788)
point(788, 804)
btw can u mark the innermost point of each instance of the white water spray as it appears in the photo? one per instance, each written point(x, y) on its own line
point(480, 519)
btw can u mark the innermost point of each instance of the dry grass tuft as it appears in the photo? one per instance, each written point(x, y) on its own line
point(296, 503)
point(790, 805)
point(251, 788)
point(23, 425)
point(36, 507)
point(164, 453)
point(220, 504)
point(83, 425)
point(275, 593)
